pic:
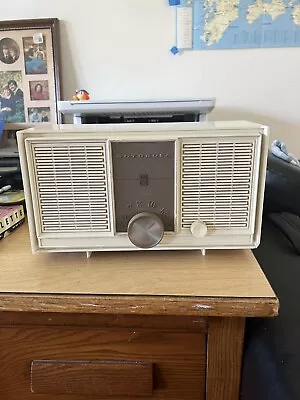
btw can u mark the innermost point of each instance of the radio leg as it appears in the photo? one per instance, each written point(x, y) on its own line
point(88, 254)
point(203, 251)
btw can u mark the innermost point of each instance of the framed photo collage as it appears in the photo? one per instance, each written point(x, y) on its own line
point(29, 72)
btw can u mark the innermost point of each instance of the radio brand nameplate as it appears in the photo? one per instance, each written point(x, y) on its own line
point(143, 175)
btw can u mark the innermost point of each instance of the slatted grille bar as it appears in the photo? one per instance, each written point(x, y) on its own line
point(216, 183)
point(71, 182)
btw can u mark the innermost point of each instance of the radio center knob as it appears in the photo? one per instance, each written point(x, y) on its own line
point(198, 229)
point(145, 230)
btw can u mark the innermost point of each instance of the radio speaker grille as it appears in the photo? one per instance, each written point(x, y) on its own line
point(71, 181)
point(217, 183)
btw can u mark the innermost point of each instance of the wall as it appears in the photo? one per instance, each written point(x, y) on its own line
point(120, 50)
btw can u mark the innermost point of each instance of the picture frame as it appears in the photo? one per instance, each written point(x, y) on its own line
point(29, 72)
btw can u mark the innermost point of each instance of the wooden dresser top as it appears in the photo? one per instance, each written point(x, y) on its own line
point(222, 276)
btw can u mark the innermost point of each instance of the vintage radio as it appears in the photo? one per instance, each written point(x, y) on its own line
point(160, 186)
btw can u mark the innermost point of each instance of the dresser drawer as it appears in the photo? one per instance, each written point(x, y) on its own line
point(80, 363)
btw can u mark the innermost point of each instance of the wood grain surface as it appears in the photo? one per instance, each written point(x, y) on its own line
point(140, 305)
point(92, 378)
point(229, 273)
point(135, 321)
point(63, 318)
point(178, 359)
point(224, 358)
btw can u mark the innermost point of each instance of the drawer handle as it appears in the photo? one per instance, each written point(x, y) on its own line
point(102, 378)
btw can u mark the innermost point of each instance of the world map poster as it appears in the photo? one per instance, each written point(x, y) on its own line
point(238, 24)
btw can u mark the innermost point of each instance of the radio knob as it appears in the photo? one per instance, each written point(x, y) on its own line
point(198, 229)
point(145, 230)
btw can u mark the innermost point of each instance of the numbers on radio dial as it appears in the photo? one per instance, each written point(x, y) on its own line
point(139, 205)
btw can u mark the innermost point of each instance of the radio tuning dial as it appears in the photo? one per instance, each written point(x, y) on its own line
point(145, 230)
point(199, 229)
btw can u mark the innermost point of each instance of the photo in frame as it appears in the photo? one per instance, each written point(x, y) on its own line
point(29, 72)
